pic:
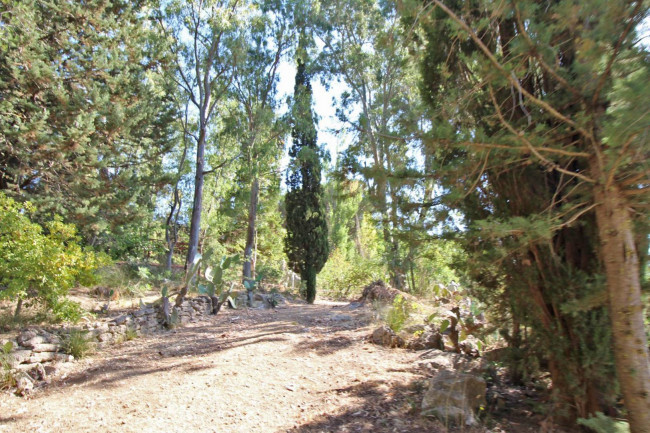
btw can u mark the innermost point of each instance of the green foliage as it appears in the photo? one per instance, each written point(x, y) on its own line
point(7, 379)
point(306, 244)
point(603, 424)
point(40, 264)
point(342, 278)
point(398, 313)
point(85, 116)
point(77, 343)
point(213, 284)
point(130, 334)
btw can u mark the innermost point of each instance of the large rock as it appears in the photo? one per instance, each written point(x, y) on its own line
point(428, 339)
point(454, 398)
point(20, 356)
point(384, 336)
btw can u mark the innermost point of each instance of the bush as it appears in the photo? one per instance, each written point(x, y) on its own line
point(342, 278)
point(398, 313)
point(40, 264)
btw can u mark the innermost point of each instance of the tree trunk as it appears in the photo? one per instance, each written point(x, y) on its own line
point(619, 255)
point(357, 236)
point(19, 306)
point(250, 234)
point(195, 222)
point(310, 285)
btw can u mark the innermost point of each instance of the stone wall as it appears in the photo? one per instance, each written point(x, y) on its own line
point(36, 345)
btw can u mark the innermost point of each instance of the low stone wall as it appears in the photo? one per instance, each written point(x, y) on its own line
point(36, 345)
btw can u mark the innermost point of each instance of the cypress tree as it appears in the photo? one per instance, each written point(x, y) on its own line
point(306, 243)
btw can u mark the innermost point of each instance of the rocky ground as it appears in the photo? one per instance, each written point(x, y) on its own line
point(296, 368)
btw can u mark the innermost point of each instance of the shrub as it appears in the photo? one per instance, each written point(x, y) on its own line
point(40, 264)
point(342, 278)
point(398, 313)
point(76, 343)
point(7, 379)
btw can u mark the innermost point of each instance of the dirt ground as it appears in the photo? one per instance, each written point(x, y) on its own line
point(298, 368)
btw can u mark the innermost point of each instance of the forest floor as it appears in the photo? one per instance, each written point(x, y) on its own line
point(297, 368)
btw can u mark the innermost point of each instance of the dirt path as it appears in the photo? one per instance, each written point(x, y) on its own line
point(297, 368)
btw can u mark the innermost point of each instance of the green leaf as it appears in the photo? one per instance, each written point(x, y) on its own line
point(462, 336)
point(444, 325)
point(7, 347)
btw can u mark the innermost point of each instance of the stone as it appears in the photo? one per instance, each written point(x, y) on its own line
point(21, 356)
point(428, 339)
point(45, 347)
point(384, 336)
point(454, 397)
point(35, 341)
point(63, 357)
point(24, 385)
point(38, 372)
point(105, 337)
point(25, 336)
point(42, 357)
point(50, 338)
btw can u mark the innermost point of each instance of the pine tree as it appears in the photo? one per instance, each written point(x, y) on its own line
point(541, 119)
point(306, 244)
point(84, 122)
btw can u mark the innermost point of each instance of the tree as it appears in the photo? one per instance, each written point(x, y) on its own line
point(364, 47)
point(306, 244)
point(206, 41)
point(542, 109)
point(254, 88)
point(84, 115)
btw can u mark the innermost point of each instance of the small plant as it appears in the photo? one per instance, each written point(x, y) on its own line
point(214, 284)
point(7, 379)
point(130, 334)
point(603, 424)
point(398, 313)
point(77, 343)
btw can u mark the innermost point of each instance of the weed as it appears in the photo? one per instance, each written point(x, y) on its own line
point(77, 343)
point(7, 379)
point(131, 334)
point(398, 313)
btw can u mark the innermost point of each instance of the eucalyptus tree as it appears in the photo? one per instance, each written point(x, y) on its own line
point(270, 37)
point(84, 112)
point(543, 126)
point(363, 46)
point(207, 41)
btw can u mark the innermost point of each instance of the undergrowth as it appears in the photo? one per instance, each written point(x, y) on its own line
point(7, 379)
point(77, 343)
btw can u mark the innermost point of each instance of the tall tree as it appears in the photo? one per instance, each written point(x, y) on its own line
point(254, 87)
point(84, 114)
point(306, 244)
point(364, 47)
point(552, 144)
point(206, 40)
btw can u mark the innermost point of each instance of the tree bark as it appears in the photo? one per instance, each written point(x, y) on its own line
point(250, 234)
point(195, 221)
point(19, 307)
point(619, 255)
point(310, 284)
